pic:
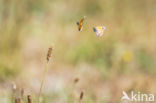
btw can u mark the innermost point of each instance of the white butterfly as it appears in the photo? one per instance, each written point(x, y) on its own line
point(99, 30)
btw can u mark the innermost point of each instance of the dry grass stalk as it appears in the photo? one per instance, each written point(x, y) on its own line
point(45, 71)
point(73, 87)
point(29, 99)
point(14, 88)
point(17, 100)
point(22, 93)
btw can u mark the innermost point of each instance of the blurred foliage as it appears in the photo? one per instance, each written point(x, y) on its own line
point(14, 15)
point(128, 23)
point(6, 72)
point(28, 27)
point(92, 51)
point(146, 62)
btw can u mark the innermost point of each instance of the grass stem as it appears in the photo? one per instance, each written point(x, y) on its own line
point(42, 82)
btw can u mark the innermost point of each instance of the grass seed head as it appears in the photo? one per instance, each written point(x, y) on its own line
point(49, 54)
point(76, 80)
point(29, 99)
point(81, 95)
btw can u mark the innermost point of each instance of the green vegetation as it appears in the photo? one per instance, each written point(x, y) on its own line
point(28, 27)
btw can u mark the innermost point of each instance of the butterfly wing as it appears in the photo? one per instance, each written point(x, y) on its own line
point(99, 30)
point(80, 24)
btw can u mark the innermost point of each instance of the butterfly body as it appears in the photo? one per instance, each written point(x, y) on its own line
point(99, 30)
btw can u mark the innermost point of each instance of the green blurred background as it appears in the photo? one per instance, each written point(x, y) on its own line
point(122, 59)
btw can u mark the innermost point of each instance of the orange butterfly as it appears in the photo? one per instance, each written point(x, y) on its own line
point(80, 24)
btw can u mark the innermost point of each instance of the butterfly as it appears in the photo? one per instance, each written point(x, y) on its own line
point(80, 24)
point(99, 30)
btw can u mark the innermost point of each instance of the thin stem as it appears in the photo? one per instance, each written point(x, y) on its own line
point(42, 82)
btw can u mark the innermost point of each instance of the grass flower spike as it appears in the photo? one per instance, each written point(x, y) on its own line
point(49, 54)
point(81, 96)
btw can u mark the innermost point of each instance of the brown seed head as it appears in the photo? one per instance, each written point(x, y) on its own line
point(29, 99)
point(76, 80)
point(81, 95)
point(49, 53)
